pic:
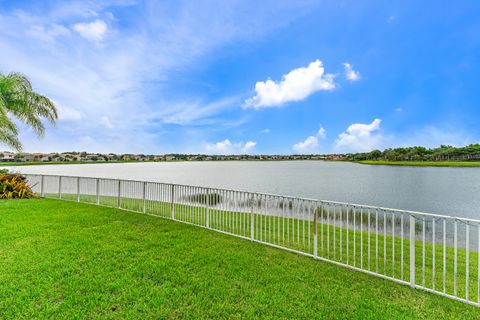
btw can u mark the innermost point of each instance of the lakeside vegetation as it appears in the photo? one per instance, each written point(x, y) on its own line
point(423, 163)
point(108, 263)
point(417, 153)
point(443, 156)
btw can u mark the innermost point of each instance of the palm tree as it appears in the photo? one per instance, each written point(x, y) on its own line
point(18, 99)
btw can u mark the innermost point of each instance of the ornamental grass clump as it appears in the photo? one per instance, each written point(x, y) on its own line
point(14, 186)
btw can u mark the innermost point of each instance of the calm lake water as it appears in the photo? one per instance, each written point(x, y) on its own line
point(451, 191)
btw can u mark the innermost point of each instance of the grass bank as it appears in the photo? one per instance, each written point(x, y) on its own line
point(423, 163)
point(68, 260)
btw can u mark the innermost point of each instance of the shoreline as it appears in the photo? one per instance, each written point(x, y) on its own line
point(457, 164)
point(46, 163)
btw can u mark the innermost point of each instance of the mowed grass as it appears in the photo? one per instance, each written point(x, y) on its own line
point(67, 260)
point(380, 253)
point(424, 163)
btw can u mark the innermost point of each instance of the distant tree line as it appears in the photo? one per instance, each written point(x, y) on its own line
point(442, 153)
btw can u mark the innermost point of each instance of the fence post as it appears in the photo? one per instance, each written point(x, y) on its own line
point(60, 187)
point(315, 233)
point(42, 186)
point(119, 193)
point(144, 197)
point(172, 200)
point(78, 189)
point(412, 251)
point(97, 189)
point(207, 203)
point(252, 220)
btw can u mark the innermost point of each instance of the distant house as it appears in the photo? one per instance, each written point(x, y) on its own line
point(7, 157)
point(127, 157)
point(38, 156)
point(91, 157)
point(28, 157)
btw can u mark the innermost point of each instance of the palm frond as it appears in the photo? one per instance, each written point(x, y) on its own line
point(9, 132)
point(18, 99)
point(20, 80)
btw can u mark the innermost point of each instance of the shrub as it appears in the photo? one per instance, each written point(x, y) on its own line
point(13, 186)
point(213, 198)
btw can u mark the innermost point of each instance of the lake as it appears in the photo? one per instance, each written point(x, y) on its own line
point(441, 190)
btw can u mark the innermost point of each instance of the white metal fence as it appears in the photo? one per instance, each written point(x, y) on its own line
point(436, 253)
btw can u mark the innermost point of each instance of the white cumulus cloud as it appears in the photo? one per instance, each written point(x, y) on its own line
point(227, 147)
point(351, 74)
point(94, 31)
point(311, 145)
point(360, 137)
point(294, 86)
point(249, 146)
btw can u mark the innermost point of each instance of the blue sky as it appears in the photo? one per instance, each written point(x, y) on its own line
point(248, 76)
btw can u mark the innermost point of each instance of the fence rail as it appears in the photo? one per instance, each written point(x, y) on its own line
point(436, 253)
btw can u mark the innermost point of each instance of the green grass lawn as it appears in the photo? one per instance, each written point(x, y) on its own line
point(334, 243)
point(68, 260)
point(424, 163)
